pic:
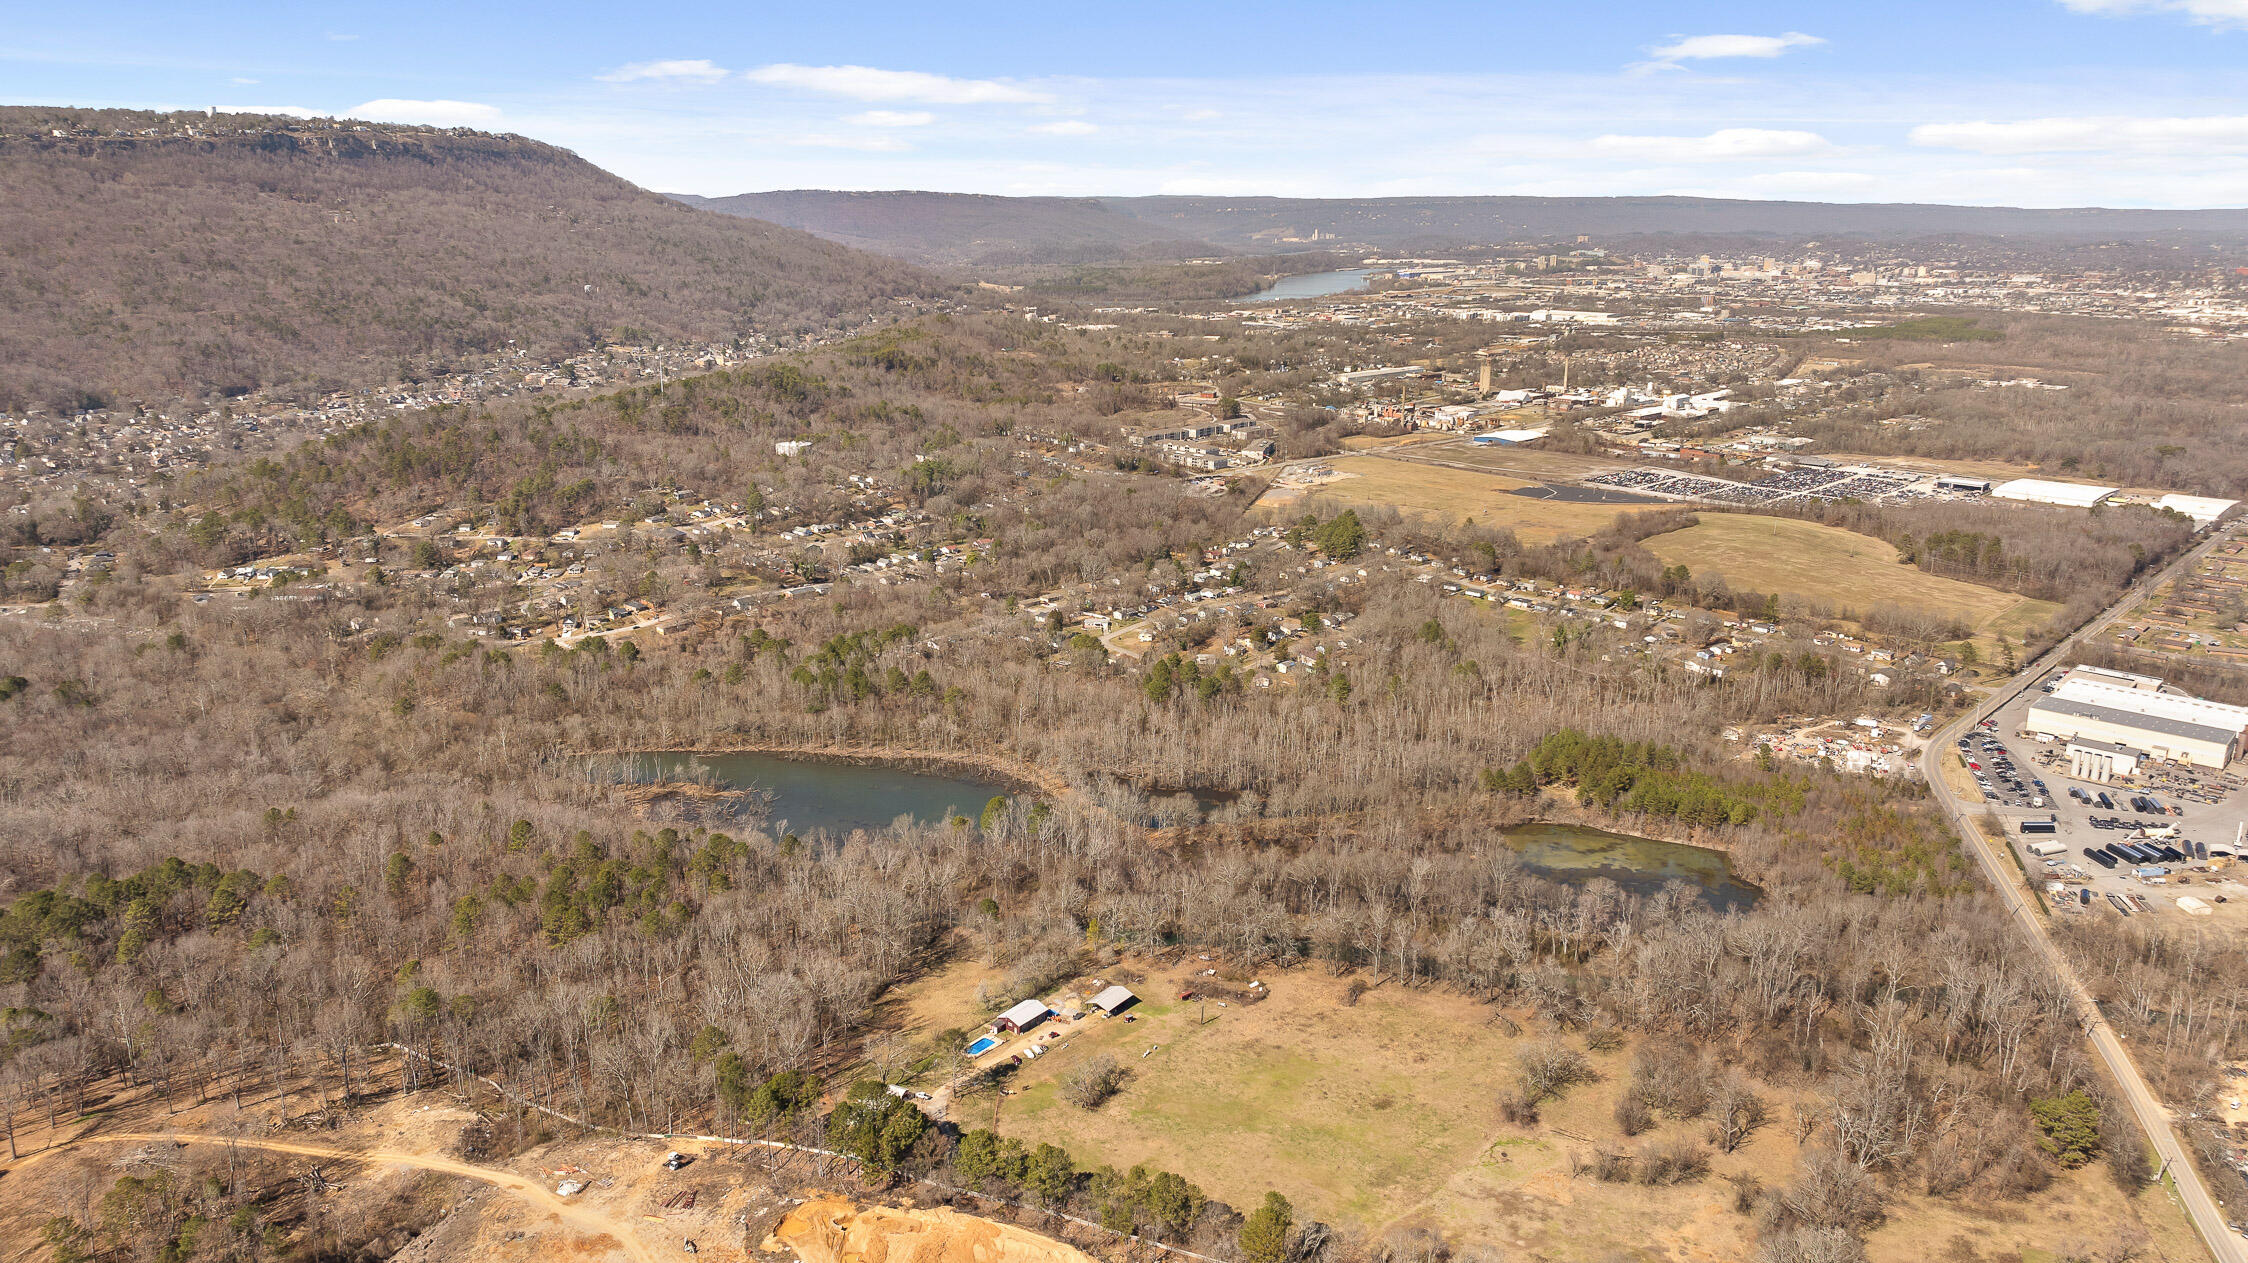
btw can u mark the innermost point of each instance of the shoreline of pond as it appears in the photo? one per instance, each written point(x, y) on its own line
point(1550, 806)
point(1594, 834)
point(1010, 776)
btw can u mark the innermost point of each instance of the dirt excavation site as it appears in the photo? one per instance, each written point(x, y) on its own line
point(832, 1229)
point(416, 1179)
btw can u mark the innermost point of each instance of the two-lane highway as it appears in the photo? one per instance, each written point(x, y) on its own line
point(2153, 1116)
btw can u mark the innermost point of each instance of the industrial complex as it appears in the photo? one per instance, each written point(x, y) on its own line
point(2113, 720)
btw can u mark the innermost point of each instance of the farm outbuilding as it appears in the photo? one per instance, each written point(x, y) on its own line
point(1022, 1017)
point(1114, 1000)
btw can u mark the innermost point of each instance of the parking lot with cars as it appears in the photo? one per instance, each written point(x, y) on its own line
point(2162, 843)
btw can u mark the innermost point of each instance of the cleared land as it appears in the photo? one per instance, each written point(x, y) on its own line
point(830, 1229)
point(1840, 568)
point(1534, 463)
point(1996, 471)
point(1382, 1114)
point(1415, 488)
point(1373, 442)
point(2000, 370)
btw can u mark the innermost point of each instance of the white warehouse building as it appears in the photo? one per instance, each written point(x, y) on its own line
point(2124, 720)
point(2074, 495)
point(2204, 510)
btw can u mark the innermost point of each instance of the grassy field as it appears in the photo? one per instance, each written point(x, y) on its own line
point(1381, 1114)
point(1359, 1108)
point(1927, 329)
point(1372, 442)
point(1411, 487)
point(2016, 623)
point(1534, 463)
point(1840, 568)
point(1996, 471)
point(1985, 369)
point(1369, 1114)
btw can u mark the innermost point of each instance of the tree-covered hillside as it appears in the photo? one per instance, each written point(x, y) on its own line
point(153, 254)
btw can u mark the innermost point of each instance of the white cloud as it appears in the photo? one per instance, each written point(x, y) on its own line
point(1728, 144)
point(239, 79)
point(861, 143)
point(1710, 47)
point(1066, 127)
point(2120, 134)
point(866, 83)
point(893, 118)
point(427, 113)
point(2205, 12)
point(1403, 133)
point(695, 70)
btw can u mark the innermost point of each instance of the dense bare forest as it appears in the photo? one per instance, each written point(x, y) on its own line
point(395, 842)
point(243, 840)
point(266, 250)
point(2141, 408)
point(963, 229)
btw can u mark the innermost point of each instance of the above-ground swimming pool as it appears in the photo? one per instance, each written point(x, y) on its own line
point(982, 1046)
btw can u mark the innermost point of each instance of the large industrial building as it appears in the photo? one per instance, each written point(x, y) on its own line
point(2102, 761)
point(2074, 495)
point(2204, 510)
point(2116, 720)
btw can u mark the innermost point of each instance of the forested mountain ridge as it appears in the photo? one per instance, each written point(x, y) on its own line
point(963, 228)
point(145, 255)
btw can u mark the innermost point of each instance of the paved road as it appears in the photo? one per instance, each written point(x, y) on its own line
point(2008, 881)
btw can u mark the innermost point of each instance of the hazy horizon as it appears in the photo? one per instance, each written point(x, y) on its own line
point(1438, 196)
point(2121, 104)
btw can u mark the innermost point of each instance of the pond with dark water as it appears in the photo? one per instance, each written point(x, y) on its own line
point(836, 796)
point(1576, 854)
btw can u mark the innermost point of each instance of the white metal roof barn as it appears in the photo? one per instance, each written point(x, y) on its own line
point(2202, 509)
point(2074, 495)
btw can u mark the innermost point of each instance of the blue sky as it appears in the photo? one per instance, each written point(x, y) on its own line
point(2026, 102)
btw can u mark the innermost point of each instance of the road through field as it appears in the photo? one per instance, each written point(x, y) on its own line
point(2010, 883)
point(592, 1222)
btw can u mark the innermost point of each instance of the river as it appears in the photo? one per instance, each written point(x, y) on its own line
point(1313, 285)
